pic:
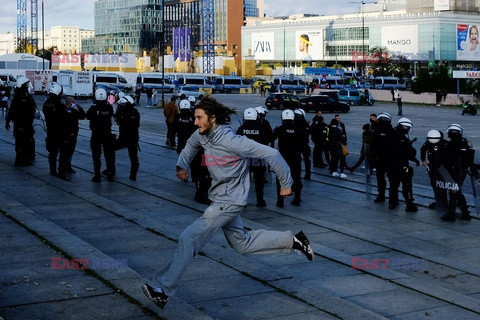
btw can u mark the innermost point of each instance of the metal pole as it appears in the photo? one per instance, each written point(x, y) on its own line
point(43, 38)
point(363, 43)
point(162, 43)
point(284, 48)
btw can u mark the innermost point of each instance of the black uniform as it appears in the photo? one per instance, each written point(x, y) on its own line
point(128, 119)
point(434, 153)
point(290, 144)
point(253, 129)
point(22, 113)
point(55, 110)
point(72, 116)
point(382, 142)
point(401, 171)
point(319, 133)
point(100, 116)
point(304, 129)
point(184, 127)
point(335, 141)
point(458, 158)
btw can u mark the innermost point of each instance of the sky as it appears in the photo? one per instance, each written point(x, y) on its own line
point(80, 12)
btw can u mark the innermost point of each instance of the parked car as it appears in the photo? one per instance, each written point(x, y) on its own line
point(350, 96)
point(184, 92)
point(282, 101)
point(257, 84)
point(323, 103)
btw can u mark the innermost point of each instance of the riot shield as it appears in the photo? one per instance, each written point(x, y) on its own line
point(475, 180)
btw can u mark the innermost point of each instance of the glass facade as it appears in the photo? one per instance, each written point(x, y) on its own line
point(251, 9)
point(125, 25)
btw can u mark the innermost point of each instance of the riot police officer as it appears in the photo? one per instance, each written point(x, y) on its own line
point(264, 123)
point(382, 152)
point(253, 129)
point(319, 134)
point(54, 110)
point(184, 127)
point(432, 155)
point(100, 115)
point(304, 128)
point(401, 171)
point(184, 123)
point(128, 119)
point(290, 146)
point(458, 158)
point(22, 113)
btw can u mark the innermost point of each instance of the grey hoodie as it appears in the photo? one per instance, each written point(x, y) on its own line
point(227, 157)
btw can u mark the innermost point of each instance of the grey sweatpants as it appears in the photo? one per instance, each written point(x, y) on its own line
point(195, 236)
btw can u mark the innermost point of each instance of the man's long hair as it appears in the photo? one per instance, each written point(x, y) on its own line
point(212, 107)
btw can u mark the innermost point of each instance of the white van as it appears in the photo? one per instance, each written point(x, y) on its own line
point(155, 81)
point(230, 84)
point(103, 78)
point(8, 80)
point(389, 83)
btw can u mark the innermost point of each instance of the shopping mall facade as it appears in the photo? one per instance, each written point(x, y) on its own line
point(420, 37)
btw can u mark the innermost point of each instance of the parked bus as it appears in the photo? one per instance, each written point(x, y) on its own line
point(201, 82)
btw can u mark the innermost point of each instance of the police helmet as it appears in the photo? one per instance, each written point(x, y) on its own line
point(383, 116)
point(288, 115)
point(434, 136)
point(55, 89)
point(101, 94)
point(300, 112)
point(22, 81)
point(455, 127)
point(184, 104)
point(261, 110)
point(121, 94)
point(192, 99)
point(126, 100)
point(405, 122)
point(250, 114)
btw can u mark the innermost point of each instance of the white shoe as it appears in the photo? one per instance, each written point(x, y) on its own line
point(335, 174)
point(343, 175)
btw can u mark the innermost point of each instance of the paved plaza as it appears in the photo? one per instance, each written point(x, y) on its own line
point(371, 262)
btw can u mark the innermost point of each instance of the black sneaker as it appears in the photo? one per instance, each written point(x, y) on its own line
point(296, 202)
point(392, 205)
point(159, 298)
point(280, 203)
point(411, 208)
point(379, 199)
point(97, 179)
point(431, 205)
point(301, 243)
point(466, 216)
point(261, 203)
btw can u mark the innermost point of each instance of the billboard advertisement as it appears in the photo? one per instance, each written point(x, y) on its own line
point(263, 45)
point(181, 43)
point(468, 47)
point(401, 41)
point(309, 45)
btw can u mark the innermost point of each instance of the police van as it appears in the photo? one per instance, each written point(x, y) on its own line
point(199, 81)
point(389, 83)
point(9, 80)
point(228, 84)
point(154, 81)
point(104, 78)
point(290, 84)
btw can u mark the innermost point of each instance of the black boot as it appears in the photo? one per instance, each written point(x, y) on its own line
point(280, 202)
point(296, 200)
point(411, 207)
point(379, 198)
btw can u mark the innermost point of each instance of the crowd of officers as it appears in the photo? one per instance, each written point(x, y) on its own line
point(61, 126)
point(385, 148)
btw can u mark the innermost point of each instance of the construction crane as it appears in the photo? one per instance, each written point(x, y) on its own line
point(21, 25)
point(22, 35)
point(208, 35)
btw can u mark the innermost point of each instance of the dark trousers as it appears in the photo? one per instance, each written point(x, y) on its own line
point(132, 147)
point(170, 135)
point(105, 143)
point(24, 145)
point(318, 150)
point(259, 180)
point(296, 171)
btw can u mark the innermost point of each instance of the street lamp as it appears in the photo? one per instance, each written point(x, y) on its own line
point(284, 47)
point(162, 48)
point(362, 3)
